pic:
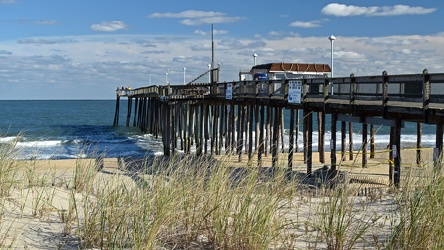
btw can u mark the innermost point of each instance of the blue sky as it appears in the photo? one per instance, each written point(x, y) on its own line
point(53, 49)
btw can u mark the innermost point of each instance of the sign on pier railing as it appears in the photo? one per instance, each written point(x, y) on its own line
point(229, 91)
point(294, 91)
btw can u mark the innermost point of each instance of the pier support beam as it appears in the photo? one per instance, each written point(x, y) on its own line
point(334, 118)
point(372, 141)
point(116, 114)
point(261, 137)
point(343, 137)
point(418, 143)
point(350, 141)
point(128, 113)
point(136, 103)
point(437, 156)
point(305, 134)
point(364, 145)
point(290, 144)
point(395, 157)
point(275, 145)
point(308, 132)
point(321, 136)
point(250, 130)
point(297, 131)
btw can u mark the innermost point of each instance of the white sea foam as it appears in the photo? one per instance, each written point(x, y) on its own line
point(8, 139)
point(38, 144)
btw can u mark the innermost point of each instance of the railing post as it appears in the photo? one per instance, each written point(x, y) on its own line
point(426, 94)
point(385, 96)
point(352, 89)
point(286, 90)
point(304, 89)
point(326, 84)
point(270, 91)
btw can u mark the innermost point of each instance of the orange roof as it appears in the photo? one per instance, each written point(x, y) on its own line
point(293, 67)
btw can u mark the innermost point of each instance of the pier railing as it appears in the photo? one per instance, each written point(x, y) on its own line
point(416, 90)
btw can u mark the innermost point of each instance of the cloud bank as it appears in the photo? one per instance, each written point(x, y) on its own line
point(343, 10)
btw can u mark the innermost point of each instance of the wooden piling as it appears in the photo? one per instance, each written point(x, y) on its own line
point(297, 131)
point(350, 141)
point(275, 145)
point(206, 126)
point(438, 147)
point(116, 114)
point(261, 136)
point(309, 133)
point(343, 138)
point(128, 113)
point(334, 118)
point(240, 141)
point(268, 133)
point(213, 148)
point(305, 133)
point(190, 127)
point(238, 128)
point(397, 154)
point(418, 143)
point(364, 145)
point(372, 141)
point(321, 136)
point(136, 102)
point(233, 127)
point(291, 142)
point(250, 130)
point(391, 155)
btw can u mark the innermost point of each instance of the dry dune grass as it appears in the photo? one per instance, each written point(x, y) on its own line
point(189, 202)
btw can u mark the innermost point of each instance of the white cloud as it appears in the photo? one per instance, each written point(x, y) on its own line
point(197, 17)
point(301, 24)
point(208, 20)
point(337, 9)
point(46, 22)
point(349, 56)
point(216, 32)
point(36, 41)
point(109, 26)
point(187, 14)
point(200, 32)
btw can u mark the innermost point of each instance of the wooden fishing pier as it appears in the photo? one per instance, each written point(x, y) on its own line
point(246, 117)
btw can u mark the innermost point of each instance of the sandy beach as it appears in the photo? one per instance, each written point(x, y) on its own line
point(34, 214)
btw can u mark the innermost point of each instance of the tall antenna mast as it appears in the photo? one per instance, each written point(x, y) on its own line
point(212, 47)
point(212, 55)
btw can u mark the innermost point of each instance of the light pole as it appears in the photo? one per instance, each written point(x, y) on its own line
point(184, 70)
point(150, 79)
point(332, 38)
point(254, 57)
point(209, 73)
point(166, 76)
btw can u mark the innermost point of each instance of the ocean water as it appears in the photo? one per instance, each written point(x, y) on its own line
point(67, 129)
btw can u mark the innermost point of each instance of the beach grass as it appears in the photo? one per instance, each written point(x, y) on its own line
point(191, 202)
